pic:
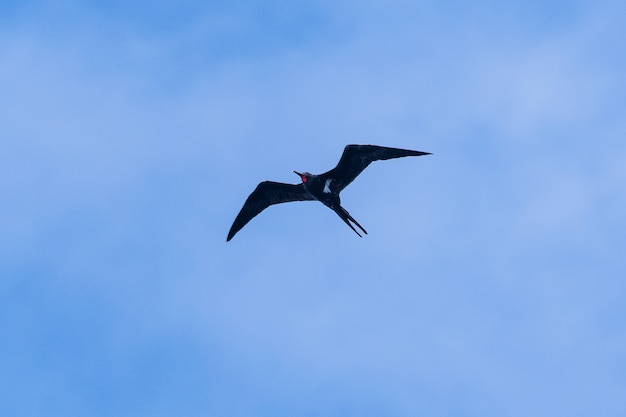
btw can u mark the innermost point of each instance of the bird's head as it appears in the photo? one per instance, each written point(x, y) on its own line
point(304, 176)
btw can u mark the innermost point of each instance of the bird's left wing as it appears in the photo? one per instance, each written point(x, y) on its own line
point(356, 158)
point(264, 195)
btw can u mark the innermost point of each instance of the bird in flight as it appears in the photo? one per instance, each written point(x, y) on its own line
point(324, 188)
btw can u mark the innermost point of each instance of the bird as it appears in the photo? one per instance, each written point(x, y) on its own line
point(324, 188)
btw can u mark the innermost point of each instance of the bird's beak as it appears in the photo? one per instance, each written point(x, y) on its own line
point(298, 174)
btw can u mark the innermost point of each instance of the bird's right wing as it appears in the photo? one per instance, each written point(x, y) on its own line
point(264, 195)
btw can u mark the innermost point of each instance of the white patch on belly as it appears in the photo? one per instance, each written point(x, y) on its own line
point(327, 186)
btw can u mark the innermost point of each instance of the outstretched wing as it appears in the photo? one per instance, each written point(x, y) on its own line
point(264, 195)
point(356, 158)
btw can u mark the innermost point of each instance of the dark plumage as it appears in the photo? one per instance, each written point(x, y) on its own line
point(324, 187)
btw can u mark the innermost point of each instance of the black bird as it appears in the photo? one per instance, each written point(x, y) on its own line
point(324, 188)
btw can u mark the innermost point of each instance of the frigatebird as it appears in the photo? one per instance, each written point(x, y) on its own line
point(324, 188)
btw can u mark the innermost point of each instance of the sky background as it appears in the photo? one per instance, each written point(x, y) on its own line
point(492, 281)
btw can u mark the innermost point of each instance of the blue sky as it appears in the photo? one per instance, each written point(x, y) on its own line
point(492, 279)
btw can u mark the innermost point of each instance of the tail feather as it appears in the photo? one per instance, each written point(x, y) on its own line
point(346, 217)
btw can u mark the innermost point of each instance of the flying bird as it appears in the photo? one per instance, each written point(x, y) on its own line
point(324, 188)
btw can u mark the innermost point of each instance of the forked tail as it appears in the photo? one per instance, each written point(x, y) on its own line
point(346, 217)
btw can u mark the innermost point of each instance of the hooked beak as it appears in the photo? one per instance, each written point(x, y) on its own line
point(302, 176)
